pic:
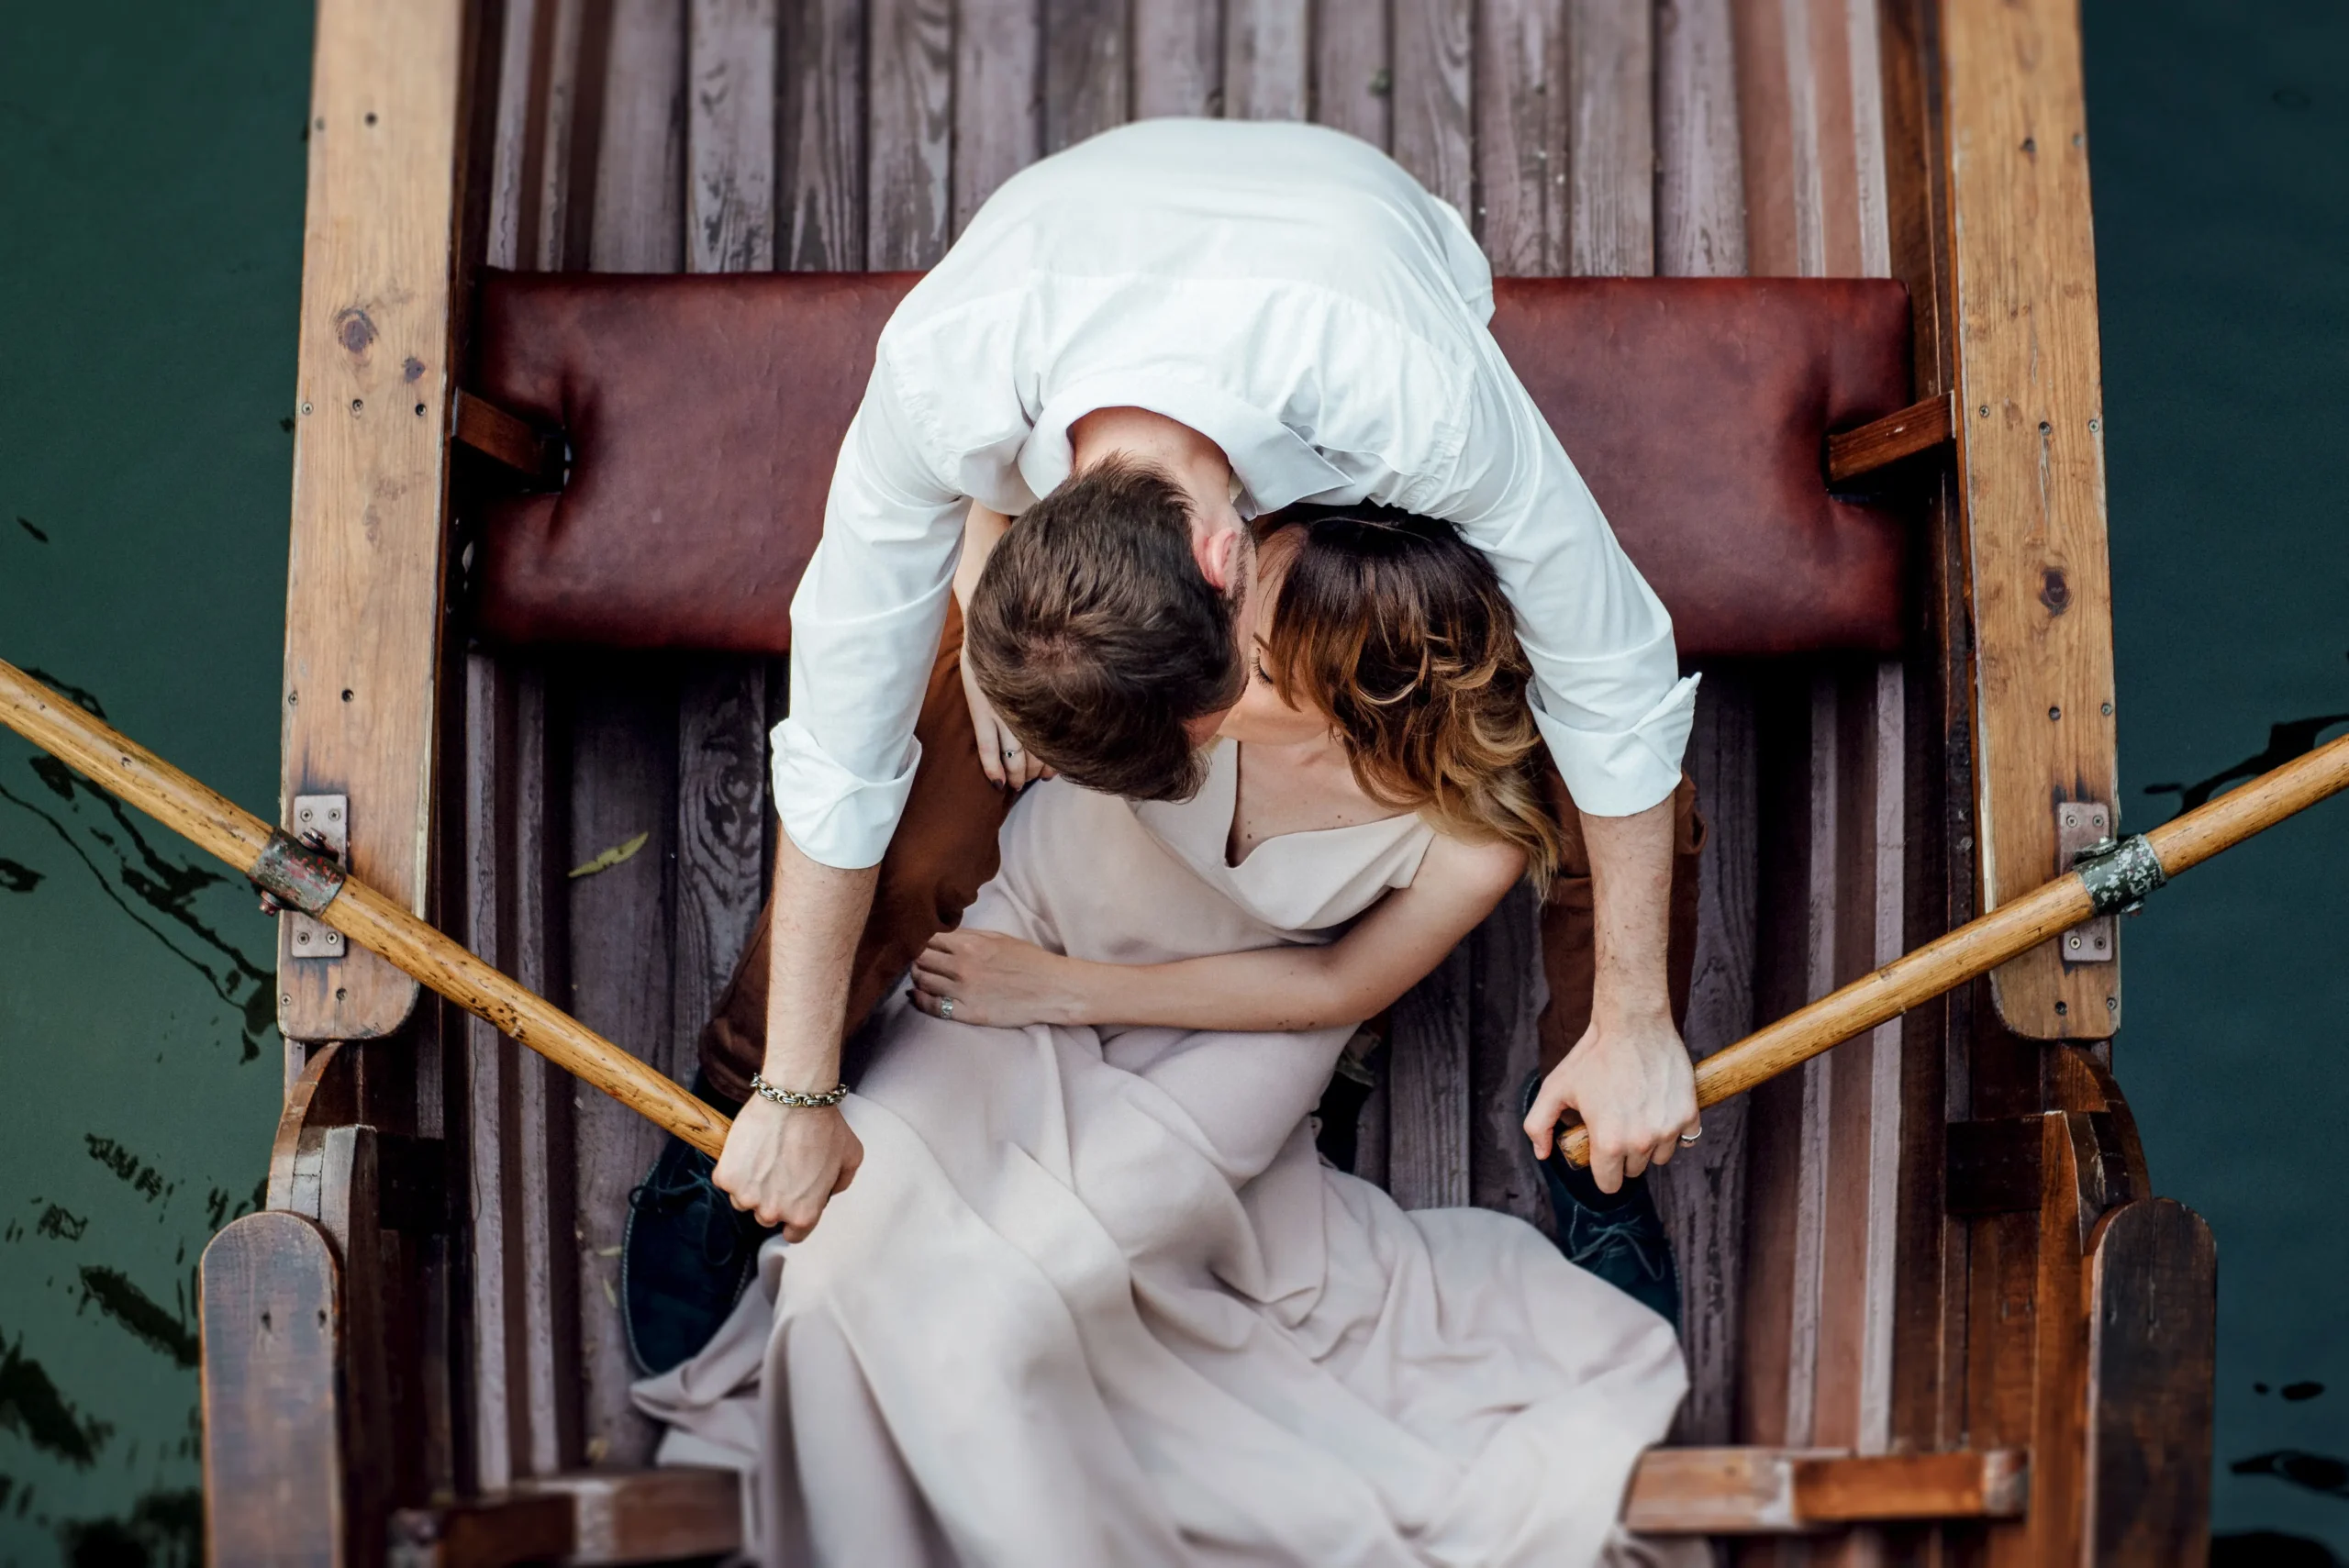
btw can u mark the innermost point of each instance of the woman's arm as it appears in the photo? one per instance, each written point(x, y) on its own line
point(1000, 980)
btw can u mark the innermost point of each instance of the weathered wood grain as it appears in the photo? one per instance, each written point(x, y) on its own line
point(2032, 455)
point(1428, 1088)
point(998, 102)
point(1088, 61)
point(1354, 84)
point(1508, 992)
point(721, 839)
point(1611, 188)
point(567, 99)
point(729, 136)
point(1432, 57)
point(640, 160)
point(1700, 171)
point(517, 121)
point(494, 1201)
point(1267, 59)
point(1700, 232)
point(909, 91)
point(820, 137)
point(623, 781)
point(366, 571)
point(524, 1306)
point(545, 1135)
point(1524, 105)
point(1701, 1193)
point(2153, 1310)
point(1919, 427)
point(1862, 1129)
point(1178, 59)
point(721, 702)
point(274, 1340)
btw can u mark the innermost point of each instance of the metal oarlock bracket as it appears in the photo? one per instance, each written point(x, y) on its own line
point(2120, 875)
point(304, 875)
point(2080, 827)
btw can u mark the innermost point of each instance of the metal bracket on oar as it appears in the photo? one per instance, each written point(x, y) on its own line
point(2121, 873)
point(293, 875)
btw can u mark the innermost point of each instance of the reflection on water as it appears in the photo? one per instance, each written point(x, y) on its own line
point(2295, 737)
point(167, 882)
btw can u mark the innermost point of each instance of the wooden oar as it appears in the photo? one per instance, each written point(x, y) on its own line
point(2114, 880)
point(302, 878)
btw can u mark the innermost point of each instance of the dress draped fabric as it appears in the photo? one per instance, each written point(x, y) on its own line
point(1094, 1298)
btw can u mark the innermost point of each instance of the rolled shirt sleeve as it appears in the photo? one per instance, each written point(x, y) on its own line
point(865, 629)
point(1608, 693)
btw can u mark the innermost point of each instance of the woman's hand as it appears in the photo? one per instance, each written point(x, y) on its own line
point(997, 979)
point(1008, 765)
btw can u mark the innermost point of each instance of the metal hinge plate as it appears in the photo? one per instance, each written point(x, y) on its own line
point(2082, 825)
point(326, 819)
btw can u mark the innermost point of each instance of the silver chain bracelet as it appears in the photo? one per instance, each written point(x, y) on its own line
point(830, 1096)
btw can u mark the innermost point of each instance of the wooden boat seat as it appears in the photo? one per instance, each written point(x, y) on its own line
point(701, 414)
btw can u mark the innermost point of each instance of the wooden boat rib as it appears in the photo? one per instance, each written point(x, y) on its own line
point(1919, 1273)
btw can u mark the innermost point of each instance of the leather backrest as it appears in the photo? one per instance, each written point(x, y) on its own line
point(703, 415)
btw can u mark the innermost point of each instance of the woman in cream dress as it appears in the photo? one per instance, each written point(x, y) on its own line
point(1094, 1299)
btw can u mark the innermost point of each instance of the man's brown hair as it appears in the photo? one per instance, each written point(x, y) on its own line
point(1097, 636)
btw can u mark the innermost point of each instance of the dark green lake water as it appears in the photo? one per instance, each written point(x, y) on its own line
point(150, 210)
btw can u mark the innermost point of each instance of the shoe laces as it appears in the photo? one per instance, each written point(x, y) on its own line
point(722, 1231)
point(1598, 1236)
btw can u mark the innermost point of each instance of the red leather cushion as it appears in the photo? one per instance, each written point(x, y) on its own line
point(703, 413)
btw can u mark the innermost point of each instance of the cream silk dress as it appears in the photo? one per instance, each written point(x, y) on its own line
point(1094, 1300)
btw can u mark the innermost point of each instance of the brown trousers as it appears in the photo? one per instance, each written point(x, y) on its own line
point(944, 851)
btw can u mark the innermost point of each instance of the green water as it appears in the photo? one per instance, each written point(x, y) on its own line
point(2219, 140)
point(150, 247)
point(150, 204)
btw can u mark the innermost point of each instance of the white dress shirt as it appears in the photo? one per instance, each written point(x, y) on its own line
point(1292, 294)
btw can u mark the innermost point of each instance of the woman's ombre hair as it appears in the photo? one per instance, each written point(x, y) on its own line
point(1396, 627)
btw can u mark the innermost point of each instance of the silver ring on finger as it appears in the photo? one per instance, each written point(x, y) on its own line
point(946, 1008)
point(1688, 1138)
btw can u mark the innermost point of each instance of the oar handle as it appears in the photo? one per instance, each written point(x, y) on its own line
point(382, 924)
point(1982, 944)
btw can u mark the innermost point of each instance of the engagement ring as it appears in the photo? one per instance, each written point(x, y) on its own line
point(946, 1008)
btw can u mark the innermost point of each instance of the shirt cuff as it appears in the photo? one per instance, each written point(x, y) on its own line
point(835, 817)
point(1622, 772)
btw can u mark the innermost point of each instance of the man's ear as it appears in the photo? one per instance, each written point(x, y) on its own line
point(1219, 548)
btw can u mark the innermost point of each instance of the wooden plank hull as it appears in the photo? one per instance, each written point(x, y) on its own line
point(1834, 1299)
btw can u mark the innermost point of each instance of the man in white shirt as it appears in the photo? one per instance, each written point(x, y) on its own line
point(1262, 314)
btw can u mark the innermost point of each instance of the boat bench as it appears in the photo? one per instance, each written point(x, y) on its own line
point(695, 420)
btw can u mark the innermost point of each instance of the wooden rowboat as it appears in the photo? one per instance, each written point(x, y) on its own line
point(1933, 1308)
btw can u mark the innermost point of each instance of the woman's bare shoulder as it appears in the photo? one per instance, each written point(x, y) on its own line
point(1468, 867)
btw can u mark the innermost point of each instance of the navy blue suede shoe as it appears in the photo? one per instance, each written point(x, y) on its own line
point(1617, 1236)
point(685, 1256)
